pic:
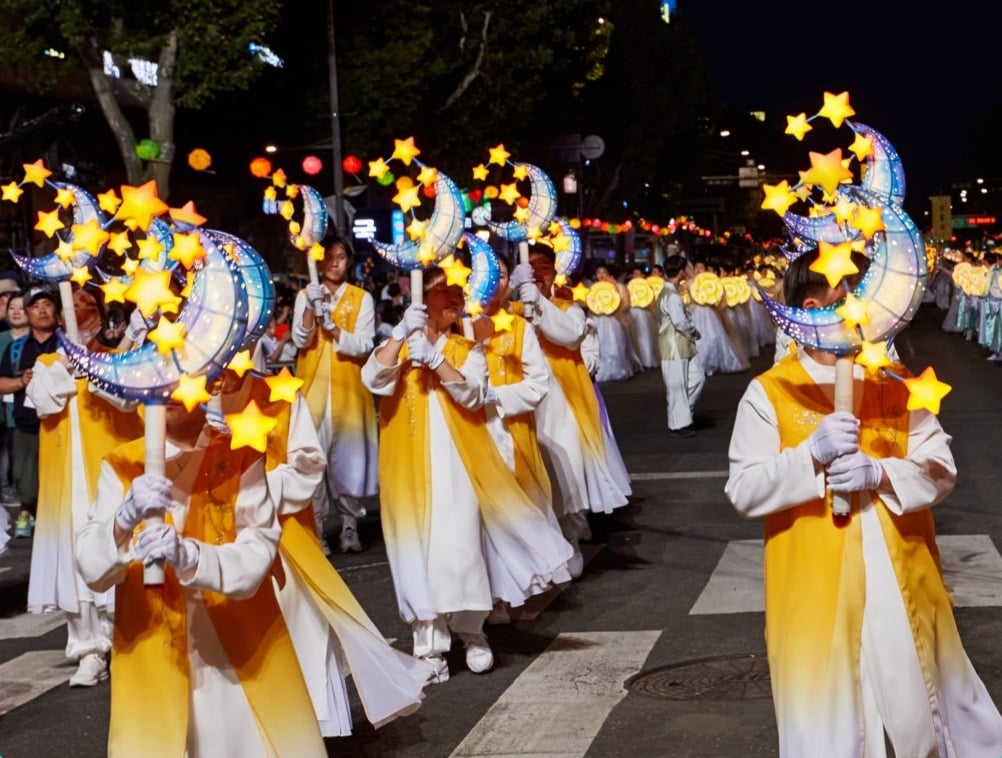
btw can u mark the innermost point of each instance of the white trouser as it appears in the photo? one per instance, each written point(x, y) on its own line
point(684, 379)
point(88, 631)
point(434, 637)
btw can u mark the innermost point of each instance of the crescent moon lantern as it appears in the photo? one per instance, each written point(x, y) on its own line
point(885, 174)
point(568, 260)
point(259, 289)
point(542, 208)
point(314, 218)
point(214, 318)
point(52, 268)
point(892, 288)
point(444, 229)
point(485, 276)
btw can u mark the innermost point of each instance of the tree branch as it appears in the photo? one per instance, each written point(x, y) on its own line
point(474, 71)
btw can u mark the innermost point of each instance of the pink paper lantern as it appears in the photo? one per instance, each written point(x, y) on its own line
point(312, 165)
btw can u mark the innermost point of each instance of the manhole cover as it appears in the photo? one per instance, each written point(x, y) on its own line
point(733, 677)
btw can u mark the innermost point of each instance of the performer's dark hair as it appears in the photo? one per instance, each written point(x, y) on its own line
point(545, 251)
point(673, 265)
point(800, 283)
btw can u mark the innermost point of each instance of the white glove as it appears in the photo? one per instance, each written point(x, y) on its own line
point(854, 472)
point(415, 319)
point(837, 434)
point(315, 292)
point(139, 326)
point(148, 496)
point(163, 543)
point(521, 274)
point(528, 293)
point(420, 350)
point(491, 396)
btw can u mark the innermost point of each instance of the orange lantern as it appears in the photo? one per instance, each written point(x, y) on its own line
point(260, 167)
point(199, 159)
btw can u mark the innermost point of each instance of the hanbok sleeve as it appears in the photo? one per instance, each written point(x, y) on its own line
point(762, 478)
point(927, 474)
point(50, 388)
point(236, 569)
point(379, 379)
point(293, 482)
point(360, 341)
point(523, 396)
point(565, 328)
point(470, 392)
point(101, 562)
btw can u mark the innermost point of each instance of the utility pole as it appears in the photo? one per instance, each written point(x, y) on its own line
point(339, 218)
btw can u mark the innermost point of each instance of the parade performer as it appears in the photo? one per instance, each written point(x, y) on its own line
point(332, 633)
point(203, 664)
point(860, 630)
point(460, 533)
point(614, 342)
point(677, 335)
point(330, 362)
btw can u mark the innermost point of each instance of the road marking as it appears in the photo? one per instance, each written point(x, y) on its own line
point(30, 675)
point(653, 476)
point(5, 568)
point(30, 624)
point(972, 570)
point(557, 706)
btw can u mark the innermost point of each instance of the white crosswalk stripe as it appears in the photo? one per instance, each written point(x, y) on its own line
point(557, 705)
point(32, 674)
point(30, 625)
point(972, 569)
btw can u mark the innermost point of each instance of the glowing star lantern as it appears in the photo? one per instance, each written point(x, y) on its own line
point(502, 321)
point(119, 242)
point(869, 221)
point(250, 428)
point(150, 290)
point(873, 355)
point(351, 164)
point(241, 363)
point(109, 201)
point(260, 167)
point(199, 159)
point(926, 391)
point(312, 165)
point(580, 292)
point(798, 126)
point(49, 223)
point(480, 173)
point(168, 336)
point(35, 173)
point(862, 146)
point(283, 386)
point(836, 108)
point(778, 197)
point(186, 215)
point(187, 249)
point(404, 150)
point(834, 262)
point(827, 171)
point(12, 192)
point(854, 312)
point(64, 197)
point(114, 290)
point(191, 392)
point(141, 204)
point(89, 237)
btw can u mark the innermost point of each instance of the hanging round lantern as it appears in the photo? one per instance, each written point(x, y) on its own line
point(428, 190)
point(312, 165)
point(147, 150)
point(387, 178)
point(260, 167)
point(351, 164)
point(522, 202)
point(404, 183)
point(199, 159)
point(476, 195)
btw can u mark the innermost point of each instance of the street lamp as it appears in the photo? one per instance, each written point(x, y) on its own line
point(339, 219)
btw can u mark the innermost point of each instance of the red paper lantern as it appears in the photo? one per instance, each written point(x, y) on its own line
point(351, 164)
point(475, 195)
point(428, 190)
point(260, 167)
point(522, 202)
point(312, 165)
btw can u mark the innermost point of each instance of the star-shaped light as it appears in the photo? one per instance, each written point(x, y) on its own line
point(119, 242)
point(81, 275)
point(283, 386)
point(580, 292)
point(778, 197)
point(827, 171)
point(862, 146)
point(798, 126)
point(836, 108)
point(509, 193)
point(89, 236)
point(189, 283)
point(65, 197)
point(141, 204)
point(109, 201)
point(49, 222)
point(187, 214)
point(279, 179)
point(191, 391)
point(316, 251)
point(270, 193)
point(168, 336)
point(521, 171)
point(292, 191)
point(480, 173)
point(241, 363)
point(925, 391)
point(36, 173)
point(150, 248)
point(129, 266)
point(844, 210)
point(521, 215)
point(560, 280)
point(873, 355)
point(377, 168)
point(869, 221)
point(286, 209)
point(426, 253)
point(404, 150)
point(187, 249)
point(427, 175)
point(502, 321)
point(456, 273)
point(150, 290)
point(12, 192)
point(834, 262)
point(560, 243)
point(114, 290)
point(64, 251)
point(499, 155)
point(473, 308)
point(407, 198)
point(250, 428)
point(854, 312)
point(416, 229)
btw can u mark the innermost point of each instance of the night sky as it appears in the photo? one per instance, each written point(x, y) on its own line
point(926, 77)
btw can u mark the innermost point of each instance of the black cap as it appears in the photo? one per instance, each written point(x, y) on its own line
point(39, 292)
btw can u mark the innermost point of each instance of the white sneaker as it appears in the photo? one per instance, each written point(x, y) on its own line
point(575, 566)
point(92, 670)
point(479, 658)
point(440, 666)
point(350, 541)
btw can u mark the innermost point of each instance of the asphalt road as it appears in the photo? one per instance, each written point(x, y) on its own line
point(627, 661)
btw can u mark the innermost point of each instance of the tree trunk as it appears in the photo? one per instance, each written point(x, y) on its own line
point(160, 113)
point(474, 71)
